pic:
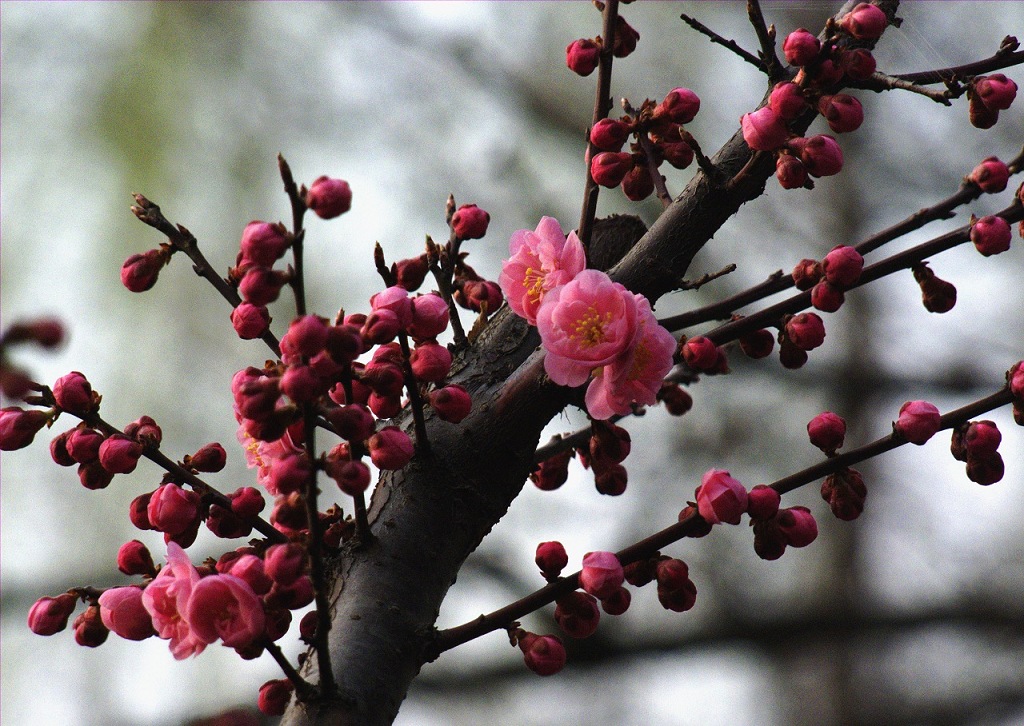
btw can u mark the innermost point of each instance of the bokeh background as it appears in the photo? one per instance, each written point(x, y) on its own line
point(911, 615)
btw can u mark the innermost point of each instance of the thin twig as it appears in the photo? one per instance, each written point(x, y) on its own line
point(298, 205)
point(729, 44)
point(304, 690)
point(879, 82)
point(714, 174)
point(652, 170)
point(766, 37)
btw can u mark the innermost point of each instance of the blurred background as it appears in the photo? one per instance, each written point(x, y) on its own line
point(912, 614)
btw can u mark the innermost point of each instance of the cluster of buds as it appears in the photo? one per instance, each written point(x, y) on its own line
point(676, 591)
point(845, 493)
point(608, 447)
point(976, 443)
point(582, 56)
point(797, 335)
point(829, 278)
point(448, 263)
point(660, 136)
point(987, 96)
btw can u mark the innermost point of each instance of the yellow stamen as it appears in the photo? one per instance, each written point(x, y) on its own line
point(590, 329)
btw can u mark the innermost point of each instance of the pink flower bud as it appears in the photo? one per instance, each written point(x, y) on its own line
point(263, 243)
point(261, 285)
point(50, 615)
point(790, 172)
point(991, 175)
point(797, 526)
point(720, 498)
point(247, 502)
point(74, 394)
point(145, 430)
point(430, 362)
point(858, 64)
point(582, 56)
point(982, 438)
point(353, 422)
point(764, 130)
point(601, 574)
point(609, 134)
point(285, 563)
point(679, 106)
point(476, 294)
point(865, 22)
point(827, 431)
point(700, 353)
point(842, 266)
point(551, 558)
point(625, 38)
point(985, 469)
point(352, 477)
point(390, 448)
point(386, 406)
point(1015, 380)
point(306, 336)
point(172, 509)
point(995, 91)
point(938, 296)
point(826, 297)
point(250, 321)
point(139, 272)
point(991, 235)
point(397, 300)
point(209, 459)
point(762, 502)
point(134, 559)
point(411, 272)
point(301, 384)
point(250, 569)
point(83, 445)
point(274, 697)
point(289, 473)
point(577, 614)
point(843, 112)
point(543, 654)
point(329, 198)
point(452, 403)
point(805, 331)
point(430, 317)
point(787, 100)
point(89, 628)
point(122, 611)
point(609, 168)
point(820, 154)
point(806, 274)
point(637, 184)
point(18, 427)
point(918, 421)
point(801, 47)
point(845, 493)
point(470, 222)
point(119, 454)
point(381, 327)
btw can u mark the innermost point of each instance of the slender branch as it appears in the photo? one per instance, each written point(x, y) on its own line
point(729, 44)
point(363, 534)
point(602, 105)
point(879, 82)
point(1005, 57)
point(652, 170)
point(415, 399)
point(650, 546)
point(444, 286)
point(304, 690)
point(766, 37)
point(298, 204)
point(714, 173)
point(183, 240)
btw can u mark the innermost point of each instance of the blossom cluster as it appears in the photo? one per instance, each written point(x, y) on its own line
point(590, 326)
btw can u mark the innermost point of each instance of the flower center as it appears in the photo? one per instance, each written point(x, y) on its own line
point(590, 328)
point(534, 283)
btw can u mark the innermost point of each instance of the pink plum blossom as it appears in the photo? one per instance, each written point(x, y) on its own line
point(720, 498)
point(585, 324)
point(261, 455)
point(541, 260)
point(636, 375)
point(225, 607)
point(122, 610)
point(166, 599)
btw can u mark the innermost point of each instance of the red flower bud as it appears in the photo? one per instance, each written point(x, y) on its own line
point(865, 22)
point(985, 469)
point(680, 106)
point(582, 56)
point(762, 502)
point(609, 134)
point(139, 272)
point(617, 603)
point(353, 422)
point(59, 449)
point(384, 406)
point(430, 317)
point(172, 509)
point(274, 697)
point(827, 431)
point(381, 326)
point(470, 222)
point(938, 296)
point(551, 558)
point(845, 493)
point(543, 654)
point(787, 100)
point(826, 297)
point(625, 38)
point(858, 64)
point(842, 266)
point(289, 473)
point(134, 559)
point(843, 112)
point(306, 337)
point(982, 117)
point(452, 403)
point(820, 154)
point(990, 235)
point(352, 477)
point(806, 274)
point(805, 331)
point(918, 421)
point(676, 592)
point(764, 130)
point(411, 272)
point(210, 458)
point(250, 321)
point(553, 472)
point(609, 168)
point(637, 184)
point(50, 615)
point(677, 153)
point(611, 480)
point(138, 511)
point(83, 445)
point(601, 574)
point(263, 243)
point(797, 526)
point(94, 476)
point(89, 628)
point(577, 614)
point(329, 198)
point(18, 427)
point(995, 91)
point(301, 384)
point(790, 172)
point(982, 438)
point(800, 47)
point(476, 294)
point(677, 401)
point(145, 431)
point(261, 285)
point(247, 502)
point(120, 455)
point(720, 498)
point(390, 448)
point(699, 353)
point(74, 394)
point(284, 563)
point(430, 362)
point(991, 175)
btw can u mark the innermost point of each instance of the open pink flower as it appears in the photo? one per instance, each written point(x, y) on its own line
point(166, 599)
point(225, 607)
point(585, 324)
point(636, 375)
point(261, 455)
point(541, 260)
